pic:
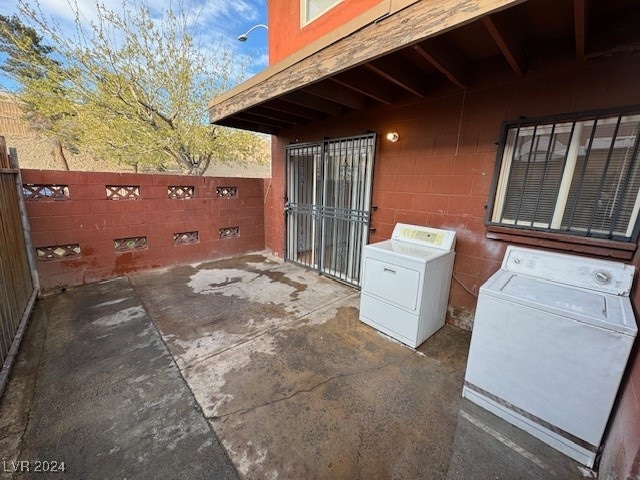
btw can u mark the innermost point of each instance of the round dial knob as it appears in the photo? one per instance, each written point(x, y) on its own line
point(601, 277)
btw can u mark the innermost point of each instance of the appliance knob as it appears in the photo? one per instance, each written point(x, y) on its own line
point(601, 277)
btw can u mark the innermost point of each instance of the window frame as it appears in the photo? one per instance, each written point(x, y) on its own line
point(304, 10)
point(529, 231)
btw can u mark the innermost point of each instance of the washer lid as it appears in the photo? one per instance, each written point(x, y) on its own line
point(604, 310)
point(582, 272)
point(407, 250)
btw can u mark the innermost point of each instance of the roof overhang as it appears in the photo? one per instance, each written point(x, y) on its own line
point(406, 48)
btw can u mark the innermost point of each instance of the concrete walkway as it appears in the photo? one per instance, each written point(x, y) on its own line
point(292, 383)
point(95, 389)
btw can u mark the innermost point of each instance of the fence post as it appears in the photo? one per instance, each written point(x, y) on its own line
point(4, 158)
point(26, 229)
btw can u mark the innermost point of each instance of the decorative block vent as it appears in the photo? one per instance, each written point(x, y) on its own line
point(57, 252)
point(229, 232)
point(185, 238)
point(126, 244)
point(35, 192)
point(180, 192)
point(123, 192)
point(227, 192)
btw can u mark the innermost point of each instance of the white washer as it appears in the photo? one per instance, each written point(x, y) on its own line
point(405, 282)
point(551, 338)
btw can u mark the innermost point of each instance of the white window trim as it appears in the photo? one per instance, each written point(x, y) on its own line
point(303, 12)
point(567, 176)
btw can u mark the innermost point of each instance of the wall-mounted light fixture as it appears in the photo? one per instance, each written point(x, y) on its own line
point(243, 37)
point(393, 137)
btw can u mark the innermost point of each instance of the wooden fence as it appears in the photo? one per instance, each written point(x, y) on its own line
point(17, 289)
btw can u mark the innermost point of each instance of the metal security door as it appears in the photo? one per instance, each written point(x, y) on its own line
point(328, 204)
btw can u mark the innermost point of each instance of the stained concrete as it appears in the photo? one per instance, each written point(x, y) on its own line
point(292, 383)
point(296, 387)
point(96, 388)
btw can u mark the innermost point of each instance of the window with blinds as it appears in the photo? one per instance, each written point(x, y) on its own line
point(314, 8)
point(578, 177)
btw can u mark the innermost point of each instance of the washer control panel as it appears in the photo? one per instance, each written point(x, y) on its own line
point(595, 274)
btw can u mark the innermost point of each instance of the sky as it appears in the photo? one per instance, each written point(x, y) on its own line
point(219, 20)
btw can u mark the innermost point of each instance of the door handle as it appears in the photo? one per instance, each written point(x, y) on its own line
point(389, 270)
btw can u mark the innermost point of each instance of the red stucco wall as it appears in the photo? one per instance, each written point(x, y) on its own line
point(285, 34)
point(89, 219)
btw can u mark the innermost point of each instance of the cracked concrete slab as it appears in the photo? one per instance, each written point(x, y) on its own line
point(297, 387)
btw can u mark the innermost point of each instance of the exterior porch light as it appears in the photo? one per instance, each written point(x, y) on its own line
point(393, 137)
point(243, 37)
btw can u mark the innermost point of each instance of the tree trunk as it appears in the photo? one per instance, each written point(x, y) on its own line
point(190, 164)
point(61, 154)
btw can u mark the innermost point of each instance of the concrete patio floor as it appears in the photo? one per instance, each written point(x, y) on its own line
point(292, 384)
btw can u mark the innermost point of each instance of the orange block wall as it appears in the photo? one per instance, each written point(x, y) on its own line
point(93, 222)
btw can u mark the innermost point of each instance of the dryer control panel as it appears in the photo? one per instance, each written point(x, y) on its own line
point(425, 236)
point(600, 275)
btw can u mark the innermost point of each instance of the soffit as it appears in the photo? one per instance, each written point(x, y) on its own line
point(421, 49)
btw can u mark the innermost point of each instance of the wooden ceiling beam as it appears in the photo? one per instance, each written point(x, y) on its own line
point(368, 85)
point(381, 35)
point(248, 116)
point(234, 122)
point(313, 102)
point(279, 105)
point(445, 59)
point(395, 72)
point(339, 94)
point(580, 28)
point(504, 33)
point(263, 111)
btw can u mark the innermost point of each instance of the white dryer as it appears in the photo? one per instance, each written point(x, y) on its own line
point(405, 282)
point(551, 338)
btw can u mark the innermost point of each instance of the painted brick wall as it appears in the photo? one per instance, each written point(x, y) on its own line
point(93, 222)
point(274, 200)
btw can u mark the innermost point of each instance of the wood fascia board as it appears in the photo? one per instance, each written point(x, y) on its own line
point(411, 22)
point(382, 10)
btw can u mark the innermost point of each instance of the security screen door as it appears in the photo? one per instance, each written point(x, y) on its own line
point(328, 204)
